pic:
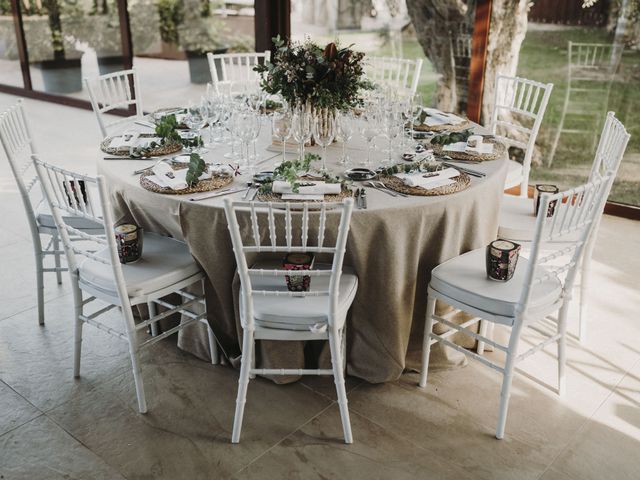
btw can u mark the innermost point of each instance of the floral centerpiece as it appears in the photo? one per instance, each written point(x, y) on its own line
point(305, 74)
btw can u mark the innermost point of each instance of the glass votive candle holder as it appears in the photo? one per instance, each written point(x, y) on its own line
point(540, 189)
point(129, 239)
point(298, 261)
point(501, 258)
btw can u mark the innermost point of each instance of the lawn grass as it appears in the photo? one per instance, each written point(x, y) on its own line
point(543, 57)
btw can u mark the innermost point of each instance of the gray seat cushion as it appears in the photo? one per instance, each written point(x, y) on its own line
point(464, 278)
point(299, 313)
point(44, 218)
point(164, 262)
point(517, 221)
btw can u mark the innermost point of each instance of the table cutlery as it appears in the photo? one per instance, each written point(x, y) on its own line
point(127, 157)
point(383, 186)
point(145, 124)
point(356, 196)
point(473, 173)
point(363, 198)
point(220, 193)
point(255, 194)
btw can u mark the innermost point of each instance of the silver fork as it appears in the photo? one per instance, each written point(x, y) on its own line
point(384, 190)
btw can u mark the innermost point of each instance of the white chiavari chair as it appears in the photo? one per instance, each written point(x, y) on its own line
point(268, 311)
point(399, 74)
point(113, 91)
point(518, 109)
point(517, 221)
point(18, 143)
point(591, 68)
point(166, 267)
point(233, 72)
point(540, 288)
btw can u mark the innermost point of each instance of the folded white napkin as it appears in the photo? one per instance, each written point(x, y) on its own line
point(316, 188)
point(436, 117)
point(128, 139)
point(481, 148)
point(179, 180)
point(429, 180)
point(297, 196)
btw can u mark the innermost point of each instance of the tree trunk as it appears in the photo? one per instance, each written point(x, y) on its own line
point(434, 22)
point(508, 29)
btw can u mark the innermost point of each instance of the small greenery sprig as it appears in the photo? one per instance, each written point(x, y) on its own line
point(290, 171)
point(167, 130)
point(453, 137)
point(197, 167)
point(419, 166)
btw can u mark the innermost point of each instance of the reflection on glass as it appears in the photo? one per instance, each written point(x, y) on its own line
point(10, 73)
point(68, 40)
point(172, 37)
point(592, 75)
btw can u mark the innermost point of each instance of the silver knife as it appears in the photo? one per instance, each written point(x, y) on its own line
point(221, 193)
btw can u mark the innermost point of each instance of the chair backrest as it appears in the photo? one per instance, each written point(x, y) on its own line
point(113, 91)
point(398, 73)
point(563, 226)
point(611, 148)
point(593, 61)
point(281, 228)
point(518, 109)
point(235, 70)
point(82, 196)
point(17, 141)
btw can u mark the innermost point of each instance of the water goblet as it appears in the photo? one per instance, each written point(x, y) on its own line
point(346, 122)
point(301, 128)
point(281, 129)
point(324, 131)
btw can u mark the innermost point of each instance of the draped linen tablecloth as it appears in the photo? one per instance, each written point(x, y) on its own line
point(393, 246)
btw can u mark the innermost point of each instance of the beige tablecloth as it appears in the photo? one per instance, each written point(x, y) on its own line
point(393, 245)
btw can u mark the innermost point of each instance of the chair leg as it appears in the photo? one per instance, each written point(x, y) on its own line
point(213, 346)
point(243, 383)
point(151, 307)
point(252, 376)
point(338, 378)
point(56, 247)
point(79, 324)
point(135, 359)
point(585, 273)
point(426, 341)
point(483, 332)
point(562, 348)
point(40, 286)
point(343, 348)
point(505, 394)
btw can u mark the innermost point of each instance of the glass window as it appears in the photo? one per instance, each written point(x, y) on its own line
point(10, 73)
point(594, 69)
point(172, 37)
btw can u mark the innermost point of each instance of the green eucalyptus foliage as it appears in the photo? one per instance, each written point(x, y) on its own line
point(453, 137)
point(196, 168)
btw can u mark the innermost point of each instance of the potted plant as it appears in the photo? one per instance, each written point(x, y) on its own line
point(61, 74)
point(199, 34)
point(171, 15)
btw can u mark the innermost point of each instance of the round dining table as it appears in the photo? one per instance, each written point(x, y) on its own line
point(393, 245)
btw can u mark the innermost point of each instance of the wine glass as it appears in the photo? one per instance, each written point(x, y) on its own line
point(324, 131)
point(196, 119)
point(391, 128)
point(255, 127)
point(369, 130)
point(228, 121)
point(301, 128)
point(213, 108)
point(281, 129)
point(416, 111)
point(346, 122)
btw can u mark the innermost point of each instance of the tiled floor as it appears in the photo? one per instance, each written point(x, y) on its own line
point(52, 426)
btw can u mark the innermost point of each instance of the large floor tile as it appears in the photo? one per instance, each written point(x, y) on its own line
point(37, 361)
point(186, 433)
point(40, 450)
point(437, 423)
point(608, 445)
point(375, 454)
point(15, 410)
point(18, 290)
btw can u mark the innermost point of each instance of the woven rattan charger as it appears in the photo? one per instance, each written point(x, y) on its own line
point(462, 182)
point(214, 183)
point(498, 152)
point(158, 151)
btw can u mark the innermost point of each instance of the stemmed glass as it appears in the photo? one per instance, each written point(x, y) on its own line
point(255, 127)
point(213, 105)
point(196, 119)
point(391, 125)
point(281, 129)
point(227, 120)
point(416, 111)
point(369, 130)
point(301, 128)
point(346, 122)
point(324, 131)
